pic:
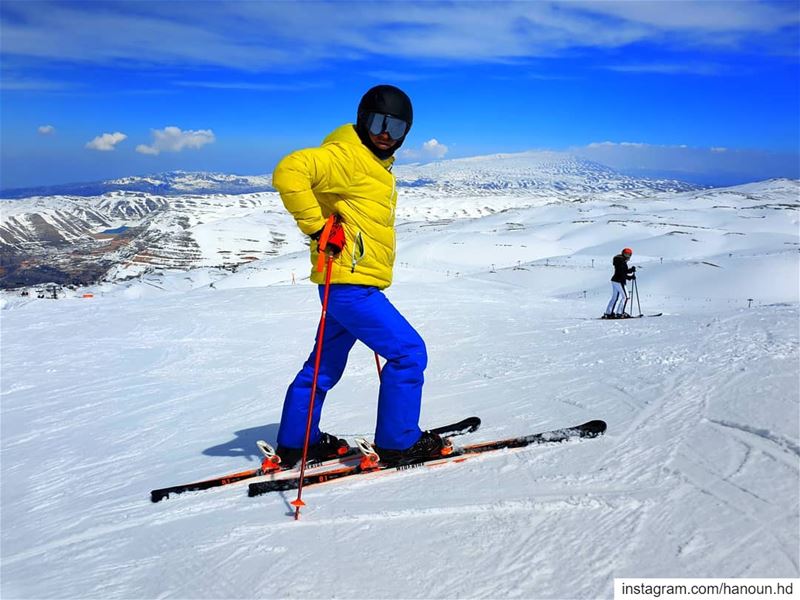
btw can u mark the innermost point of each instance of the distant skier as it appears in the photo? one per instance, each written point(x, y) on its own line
point(619, 295)
point(350, 176)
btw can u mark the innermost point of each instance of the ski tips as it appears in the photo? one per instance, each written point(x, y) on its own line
point(595, 427)
point(463, 427)
point(473, 423)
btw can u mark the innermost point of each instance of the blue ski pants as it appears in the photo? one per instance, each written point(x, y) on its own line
point(357, 312)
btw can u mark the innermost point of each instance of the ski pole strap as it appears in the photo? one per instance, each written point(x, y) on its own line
point(323, 242)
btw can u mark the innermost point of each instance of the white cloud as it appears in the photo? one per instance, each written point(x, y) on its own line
point(434, 148)
point(259, 35)
point(695, 15)
point(690, 68)
point(638, 145)
point(255, 86)
point(46, 129)
point(430, 150)
point(106, 142)
point(612, 144)
point(172, 139)
point(16, 79)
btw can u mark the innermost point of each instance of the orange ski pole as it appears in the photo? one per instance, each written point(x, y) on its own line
point(323, 242)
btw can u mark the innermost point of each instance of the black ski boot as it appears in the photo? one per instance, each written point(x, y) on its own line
point(328, 446)
point(429, 445)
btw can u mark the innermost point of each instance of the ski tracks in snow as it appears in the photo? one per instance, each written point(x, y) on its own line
point(709, 464)
point(693, 478)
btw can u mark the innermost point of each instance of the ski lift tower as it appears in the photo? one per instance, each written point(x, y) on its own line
point(52, 291)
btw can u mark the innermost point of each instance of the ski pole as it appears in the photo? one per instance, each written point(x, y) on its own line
point(629, 297)
point(636, 289)
point(323, 242)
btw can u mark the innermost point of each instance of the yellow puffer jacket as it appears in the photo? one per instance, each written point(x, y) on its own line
point(343, 177)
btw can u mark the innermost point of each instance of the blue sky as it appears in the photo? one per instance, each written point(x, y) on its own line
point(703, 90)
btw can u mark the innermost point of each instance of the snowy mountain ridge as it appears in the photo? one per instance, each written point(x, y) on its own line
point(170, 183)
point(178, 224)
point(542, 170)
point(545, 172)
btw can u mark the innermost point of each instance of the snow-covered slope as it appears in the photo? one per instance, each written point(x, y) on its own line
point(172, 377)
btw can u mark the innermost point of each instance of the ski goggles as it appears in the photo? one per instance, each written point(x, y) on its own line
point(377, 123)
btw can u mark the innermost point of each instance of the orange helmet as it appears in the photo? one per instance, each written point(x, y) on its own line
point(627, 251)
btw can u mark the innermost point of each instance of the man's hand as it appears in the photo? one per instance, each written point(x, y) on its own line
point(336, 239)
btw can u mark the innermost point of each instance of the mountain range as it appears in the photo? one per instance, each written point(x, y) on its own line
point(124, 228)
point(171, 183)
point(524, 170)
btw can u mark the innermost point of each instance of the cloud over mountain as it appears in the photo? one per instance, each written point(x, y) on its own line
point(106, 142)
point(172, 139)
point(433, 149)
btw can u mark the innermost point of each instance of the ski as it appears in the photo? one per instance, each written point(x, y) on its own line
point(370, 462)
point(352, 457)
point(626, 318)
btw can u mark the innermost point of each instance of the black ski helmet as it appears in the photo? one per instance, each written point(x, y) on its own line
point(388, 100)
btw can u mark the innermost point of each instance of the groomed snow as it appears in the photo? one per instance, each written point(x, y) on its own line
point(169, 379)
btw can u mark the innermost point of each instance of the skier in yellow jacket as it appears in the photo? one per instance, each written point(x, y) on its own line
point(350, 176)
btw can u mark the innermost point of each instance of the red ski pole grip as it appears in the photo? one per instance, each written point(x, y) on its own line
point(323, 242)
